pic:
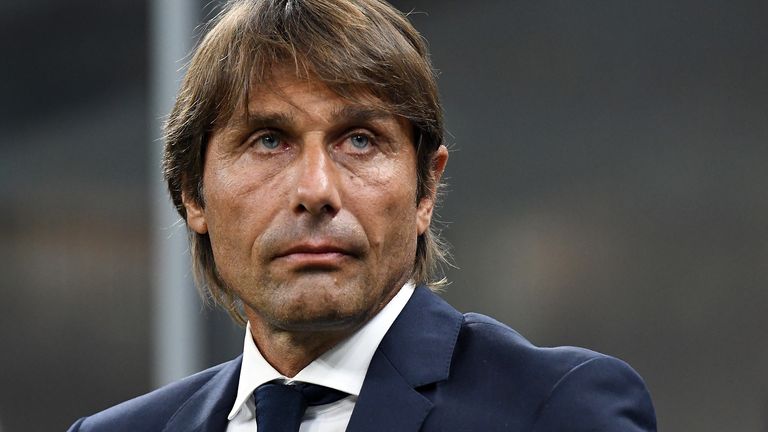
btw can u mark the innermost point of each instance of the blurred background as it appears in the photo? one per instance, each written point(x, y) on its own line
point(607, 188)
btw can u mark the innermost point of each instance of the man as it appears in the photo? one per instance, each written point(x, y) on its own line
point(304, 153)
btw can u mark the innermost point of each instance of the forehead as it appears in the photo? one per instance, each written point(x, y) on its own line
point(305, 97)
point(293, 98)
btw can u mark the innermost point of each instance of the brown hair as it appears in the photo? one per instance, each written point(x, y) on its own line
point(355, 47)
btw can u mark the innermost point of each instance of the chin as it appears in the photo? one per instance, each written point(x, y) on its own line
point(312, 305)
point(327, 323)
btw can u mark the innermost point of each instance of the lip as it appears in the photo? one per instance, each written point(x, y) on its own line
point(314, 255)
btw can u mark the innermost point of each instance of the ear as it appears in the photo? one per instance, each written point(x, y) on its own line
point(195, 214)
point(427, 204)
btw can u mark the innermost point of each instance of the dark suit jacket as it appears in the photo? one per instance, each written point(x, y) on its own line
point(435, 370)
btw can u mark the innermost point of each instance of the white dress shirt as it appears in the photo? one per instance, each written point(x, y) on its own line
point(343, 367)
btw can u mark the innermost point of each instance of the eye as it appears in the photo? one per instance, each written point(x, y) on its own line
point(360, 141)
point(268, 141)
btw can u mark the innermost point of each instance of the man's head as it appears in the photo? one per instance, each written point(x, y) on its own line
point(285, 153)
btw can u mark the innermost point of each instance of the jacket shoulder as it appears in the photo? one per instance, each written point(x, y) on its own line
point(485, 340)
point(508, 383)
point(150, 411)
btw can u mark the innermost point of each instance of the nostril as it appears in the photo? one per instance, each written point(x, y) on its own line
point(328, 209)
point(321, 209)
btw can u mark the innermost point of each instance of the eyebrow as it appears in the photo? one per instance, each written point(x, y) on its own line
point(347, 114)
point(359, 114)
point(262, 120)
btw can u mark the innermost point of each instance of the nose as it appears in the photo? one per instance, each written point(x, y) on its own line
point(317, 190)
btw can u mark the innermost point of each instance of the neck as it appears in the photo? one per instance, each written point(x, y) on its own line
point(290, 351)
point(289, 346)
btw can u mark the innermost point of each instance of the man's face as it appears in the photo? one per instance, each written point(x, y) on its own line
point(310, 205)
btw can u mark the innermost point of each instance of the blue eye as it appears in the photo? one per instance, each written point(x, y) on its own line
point(269, 141)
point(360, 141)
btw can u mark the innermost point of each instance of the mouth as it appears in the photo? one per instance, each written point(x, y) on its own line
point(320, 256)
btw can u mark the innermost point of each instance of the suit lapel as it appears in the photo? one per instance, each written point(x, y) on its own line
point(415, 352)
point(207, 409)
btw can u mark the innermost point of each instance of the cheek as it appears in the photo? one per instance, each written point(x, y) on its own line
point(387, 212)
point(396, 196)
point(238, 210)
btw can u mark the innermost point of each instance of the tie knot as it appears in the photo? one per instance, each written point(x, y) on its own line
point(319, 395)
point(280, 407)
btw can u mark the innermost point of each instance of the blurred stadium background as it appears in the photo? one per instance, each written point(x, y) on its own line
point(607, 188)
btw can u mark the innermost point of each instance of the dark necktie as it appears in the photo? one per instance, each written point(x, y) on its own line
point(280, 407)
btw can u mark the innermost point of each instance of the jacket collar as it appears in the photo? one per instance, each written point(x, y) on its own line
point(416, 351)
point(206, 410)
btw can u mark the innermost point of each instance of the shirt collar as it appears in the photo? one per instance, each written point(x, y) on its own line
point(343, 367)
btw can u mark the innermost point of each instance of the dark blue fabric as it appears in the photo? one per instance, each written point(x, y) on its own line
point(319, 395)
point(280, 407)
point(436, 370)
point(200, 402)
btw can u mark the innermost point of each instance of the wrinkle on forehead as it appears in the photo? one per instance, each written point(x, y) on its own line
point(360, 107)
point(281, 78)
